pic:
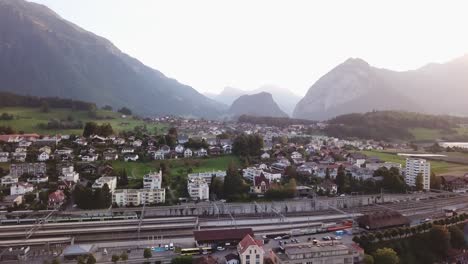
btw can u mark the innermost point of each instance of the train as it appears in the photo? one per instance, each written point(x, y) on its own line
point(316, 228)
point(70, 219)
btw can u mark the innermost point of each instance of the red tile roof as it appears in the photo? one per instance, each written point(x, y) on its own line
point(222, 234)
point(249, 241)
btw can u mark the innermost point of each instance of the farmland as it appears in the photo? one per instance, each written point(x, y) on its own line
point(27, 120)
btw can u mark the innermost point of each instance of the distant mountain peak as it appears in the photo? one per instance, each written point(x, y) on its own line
point(260, 104)
point(356, 86)
point(44, 55)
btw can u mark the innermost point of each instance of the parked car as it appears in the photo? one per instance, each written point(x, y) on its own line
point(219, 248)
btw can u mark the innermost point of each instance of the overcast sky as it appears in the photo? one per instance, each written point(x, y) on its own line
point(210, 44)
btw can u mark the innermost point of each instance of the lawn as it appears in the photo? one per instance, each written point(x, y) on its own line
point(28, 119)
point(176, 180)
point(425, 134)
point(438, 167)
point(177, 166)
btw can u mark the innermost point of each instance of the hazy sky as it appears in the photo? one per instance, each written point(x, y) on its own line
point(210, 44)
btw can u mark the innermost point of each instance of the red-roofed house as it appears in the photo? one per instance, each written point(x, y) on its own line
point(260, 184)
point(250, 250)
point(56, 198)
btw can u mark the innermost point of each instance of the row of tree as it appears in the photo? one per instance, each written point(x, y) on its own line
point(13, 100)
point(247, 145)
point(86, 197)
point(92, 128)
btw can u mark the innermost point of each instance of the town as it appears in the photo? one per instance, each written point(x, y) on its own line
point(198, 172)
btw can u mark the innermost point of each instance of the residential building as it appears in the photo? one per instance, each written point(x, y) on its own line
point(110, 156)
point(377, 165)
point(179, 149)
point(111, 182)
point(131, 157)
point(159, 155)
point(19, 156)
point(188, 153)
point(152, 180)
point(198, 189)
point(28, 168)
point(56, 199)
point(201, 152)
point(38, 179)
point(207, 176)
point(415, 167)
point(43, 156)
point(317, 252)
point(4, 157)
point(137, 197)
point(357, 159)
point(21, 188)
point(8, 180)
point(69, 174)
point(250, 250)
point(46, 149)
point(260, 184)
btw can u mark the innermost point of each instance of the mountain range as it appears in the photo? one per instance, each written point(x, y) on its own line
point(260, 104)
point(286, 99)
point(355, 86)
point(42, 54)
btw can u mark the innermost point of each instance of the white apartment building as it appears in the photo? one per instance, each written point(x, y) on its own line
point(198, 189)
point(317, 252)
point(21, 188)
point(110, 180)
point(8, 180)
point(414, 167)
point(137, 197)
point(208, 175)
point(69, 174)
point(152, 180)
point(251, 172)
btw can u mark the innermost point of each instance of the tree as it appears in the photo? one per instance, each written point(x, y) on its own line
point(368, 259)
point(419, 182)
point(182, 260)
point(342, 181)
point(115, 258)
point(457, 237)
point(386, 256)
point(81, 260)
point(123, 178)
point(147, 253)
point(124, 256)
point(90, 129)
point(107, 108)
point(125, 111)
point(45, 107)
point(439, 240)
point(234, 185)
point(91, 259)
point(55, 261)
point(435, 181)
point(217, 188)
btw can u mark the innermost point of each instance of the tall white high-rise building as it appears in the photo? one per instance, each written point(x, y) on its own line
point(414, 167)
point(152, 180)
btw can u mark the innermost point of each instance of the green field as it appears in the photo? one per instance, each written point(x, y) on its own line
point(425, 134)
point(438, 167)
point(28, 119)
point(176, 166)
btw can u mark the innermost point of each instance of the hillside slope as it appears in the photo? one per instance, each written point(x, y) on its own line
point(261, 104)
point(42, 54)
point(355, 86)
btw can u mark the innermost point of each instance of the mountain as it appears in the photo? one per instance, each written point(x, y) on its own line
point(355, 86)
point(44, 55)
point(286, 99)
point(229, 95)
point(261, 104)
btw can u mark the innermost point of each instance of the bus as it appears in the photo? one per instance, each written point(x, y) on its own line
point(196, 251)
